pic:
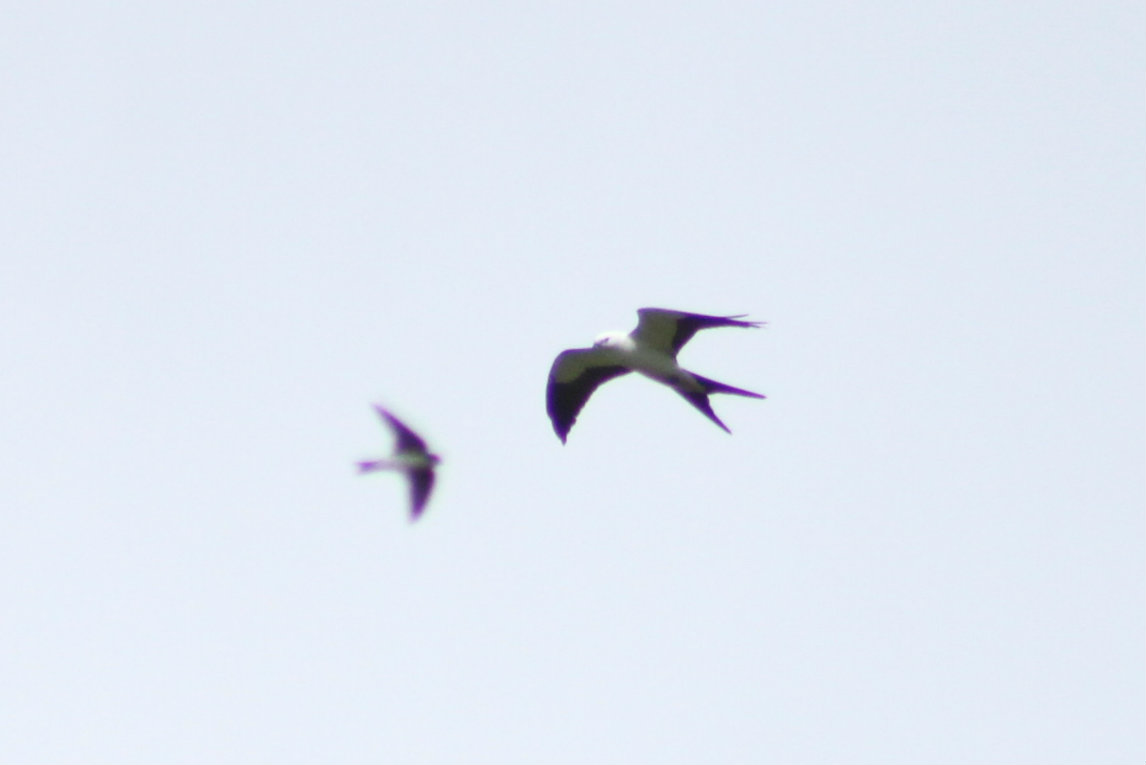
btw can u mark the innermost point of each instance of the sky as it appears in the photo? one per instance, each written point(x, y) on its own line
point(229, 228)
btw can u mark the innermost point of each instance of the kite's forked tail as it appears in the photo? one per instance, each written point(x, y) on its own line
point(712, 386)
point(700, 399)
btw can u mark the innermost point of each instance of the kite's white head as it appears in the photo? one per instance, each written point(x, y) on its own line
point(617, 340)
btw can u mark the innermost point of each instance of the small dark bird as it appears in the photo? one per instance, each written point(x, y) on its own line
point(410, 457)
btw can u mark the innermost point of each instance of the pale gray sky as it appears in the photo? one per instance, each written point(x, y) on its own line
point(228, 228)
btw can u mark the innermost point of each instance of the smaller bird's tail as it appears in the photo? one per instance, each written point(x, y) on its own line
point(712, 386)
point(369, 466)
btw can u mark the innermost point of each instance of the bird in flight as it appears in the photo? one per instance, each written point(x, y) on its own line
point(651, 350)
point(412, 458)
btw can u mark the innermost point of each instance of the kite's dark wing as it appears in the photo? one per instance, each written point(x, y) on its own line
point(572, 379)
point(668, 330)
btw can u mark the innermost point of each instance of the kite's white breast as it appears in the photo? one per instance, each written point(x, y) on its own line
point(639, 357)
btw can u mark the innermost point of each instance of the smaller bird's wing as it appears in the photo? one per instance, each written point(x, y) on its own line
point(407, 439)
point(668, 331)
point(421, 484)
point(574, 376)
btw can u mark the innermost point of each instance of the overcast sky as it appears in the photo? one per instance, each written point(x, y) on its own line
point(227, 228)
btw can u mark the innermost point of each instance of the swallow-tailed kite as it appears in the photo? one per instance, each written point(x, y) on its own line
point(410, 457)
point(650, 349)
